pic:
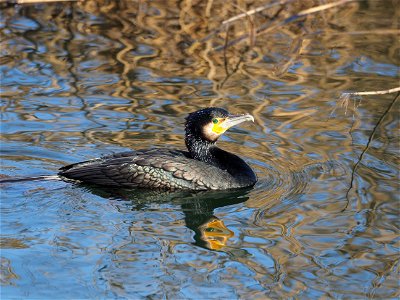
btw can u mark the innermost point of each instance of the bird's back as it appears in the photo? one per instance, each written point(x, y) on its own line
point(156, 168)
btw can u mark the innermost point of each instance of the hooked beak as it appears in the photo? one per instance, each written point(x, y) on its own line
point(233, 120)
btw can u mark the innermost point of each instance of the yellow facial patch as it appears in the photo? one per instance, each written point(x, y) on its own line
point(217, 128)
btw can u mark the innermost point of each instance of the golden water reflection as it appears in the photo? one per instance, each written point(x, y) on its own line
point(215, 234)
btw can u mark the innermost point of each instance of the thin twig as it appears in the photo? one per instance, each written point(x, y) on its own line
point(382, 92)
point(366, 148)
point(345, 97)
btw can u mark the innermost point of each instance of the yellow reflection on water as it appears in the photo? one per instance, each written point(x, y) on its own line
point(215, 234)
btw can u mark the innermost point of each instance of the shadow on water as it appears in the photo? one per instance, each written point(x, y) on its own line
point(210, 232)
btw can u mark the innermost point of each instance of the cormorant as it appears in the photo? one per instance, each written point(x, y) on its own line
point(203, 167)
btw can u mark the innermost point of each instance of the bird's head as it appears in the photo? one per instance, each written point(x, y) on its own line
point(209, 124)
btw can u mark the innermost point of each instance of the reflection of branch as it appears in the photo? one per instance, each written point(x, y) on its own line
point(229, 74)
point(252, 32)
point(246, 14)
point(72, 69)
point(270, 26)
point(225, 58)
point(255, 10)
point(252, 42)
point(235, 69)
point(381, 276)
point(367, 147)
point(294, 52)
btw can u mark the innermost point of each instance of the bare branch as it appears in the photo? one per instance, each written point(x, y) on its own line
point(354, 170)
point(382, 92)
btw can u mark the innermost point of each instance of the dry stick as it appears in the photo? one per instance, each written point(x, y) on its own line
point(382, 92)
point(345, 97)
point(367, 147)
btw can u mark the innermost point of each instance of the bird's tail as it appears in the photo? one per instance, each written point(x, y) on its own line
point(20, 179)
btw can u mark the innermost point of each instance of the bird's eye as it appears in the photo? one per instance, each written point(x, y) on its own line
point(215, 121)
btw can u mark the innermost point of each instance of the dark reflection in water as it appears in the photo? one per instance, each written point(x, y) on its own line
point(81, 79)
point(198, 207)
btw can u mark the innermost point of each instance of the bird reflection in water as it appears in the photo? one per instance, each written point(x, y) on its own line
point(210, 232)
point(213, 234)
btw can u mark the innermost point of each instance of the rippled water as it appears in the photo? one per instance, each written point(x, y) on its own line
point(84, 79)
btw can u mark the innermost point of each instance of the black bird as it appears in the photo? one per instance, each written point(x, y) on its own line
point(203, 167)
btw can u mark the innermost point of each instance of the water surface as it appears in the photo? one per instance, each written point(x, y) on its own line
point(84, 79)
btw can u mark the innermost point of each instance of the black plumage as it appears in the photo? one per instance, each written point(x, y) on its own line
point(203, 167)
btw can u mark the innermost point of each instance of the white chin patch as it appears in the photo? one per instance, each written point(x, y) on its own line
point(209, 134)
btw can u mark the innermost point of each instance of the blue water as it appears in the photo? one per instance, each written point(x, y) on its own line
point(80, 80)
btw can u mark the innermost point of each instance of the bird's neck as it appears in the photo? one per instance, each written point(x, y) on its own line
point(200, 149)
